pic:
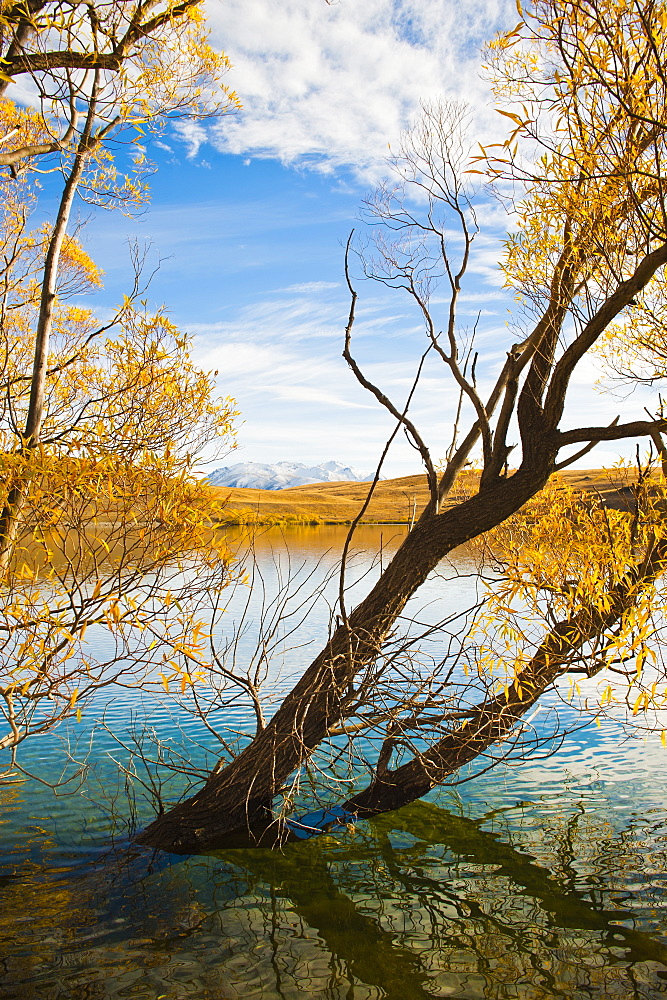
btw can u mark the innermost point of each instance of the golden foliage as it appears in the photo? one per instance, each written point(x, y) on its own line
point(104, 545)
point(588, 89)
point(566, 555)
point(635, 349)
point(108, 531)
point(101, 424)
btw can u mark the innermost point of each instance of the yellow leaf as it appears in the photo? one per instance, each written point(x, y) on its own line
point(509, 114)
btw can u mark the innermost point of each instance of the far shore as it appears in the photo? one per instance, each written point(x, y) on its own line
point(394, 501)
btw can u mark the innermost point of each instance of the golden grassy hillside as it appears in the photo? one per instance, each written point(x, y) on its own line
point(394, 500)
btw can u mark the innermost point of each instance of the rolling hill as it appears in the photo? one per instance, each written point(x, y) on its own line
point(395, 501)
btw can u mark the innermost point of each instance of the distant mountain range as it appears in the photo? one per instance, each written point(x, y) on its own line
point(281, 475)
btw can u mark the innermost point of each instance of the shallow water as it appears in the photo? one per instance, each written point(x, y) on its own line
point(541, 880)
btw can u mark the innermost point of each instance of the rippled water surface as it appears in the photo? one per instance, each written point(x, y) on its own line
point(535, 881)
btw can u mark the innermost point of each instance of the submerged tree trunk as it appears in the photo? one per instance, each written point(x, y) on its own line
point(234, 806)
point(235, 802)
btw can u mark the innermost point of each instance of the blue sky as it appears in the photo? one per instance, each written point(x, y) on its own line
point(249, 215)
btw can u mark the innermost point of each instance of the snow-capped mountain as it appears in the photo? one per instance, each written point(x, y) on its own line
point(255, 475)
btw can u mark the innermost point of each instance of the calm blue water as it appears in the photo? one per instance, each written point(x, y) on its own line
point(539, 880)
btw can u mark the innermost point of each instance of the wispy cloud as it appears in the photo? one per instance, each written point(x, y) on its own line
point(280, 357)
point(329, 86)
point(307, 287)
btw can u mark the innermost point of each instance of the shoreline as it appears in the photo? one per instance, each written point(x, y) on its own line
point(395, 501)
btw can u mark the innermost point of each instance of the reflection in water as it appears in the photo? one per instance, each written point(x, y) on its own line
point(540, 882)
point(418, 904)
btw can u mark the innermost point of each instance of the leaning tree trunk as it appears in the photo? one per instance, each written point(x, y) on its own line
point(235, 802)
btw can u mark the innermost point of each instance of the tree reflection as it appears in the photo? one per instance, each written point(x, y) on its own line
point(421, 903)
point(429, 903)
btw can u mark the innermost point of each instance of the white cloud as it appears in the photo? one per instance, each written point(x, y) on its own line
point(327, 86)
point(281, 358)
point(315, 394)
point(192, 134)
point(307, 287)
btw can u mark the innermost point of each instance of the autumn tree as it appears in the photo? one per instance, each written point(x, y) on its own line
point(583, 85)
point(101, 423)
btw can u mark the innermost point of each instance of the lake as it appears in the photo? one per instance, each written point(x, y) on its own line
point(535, 880)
